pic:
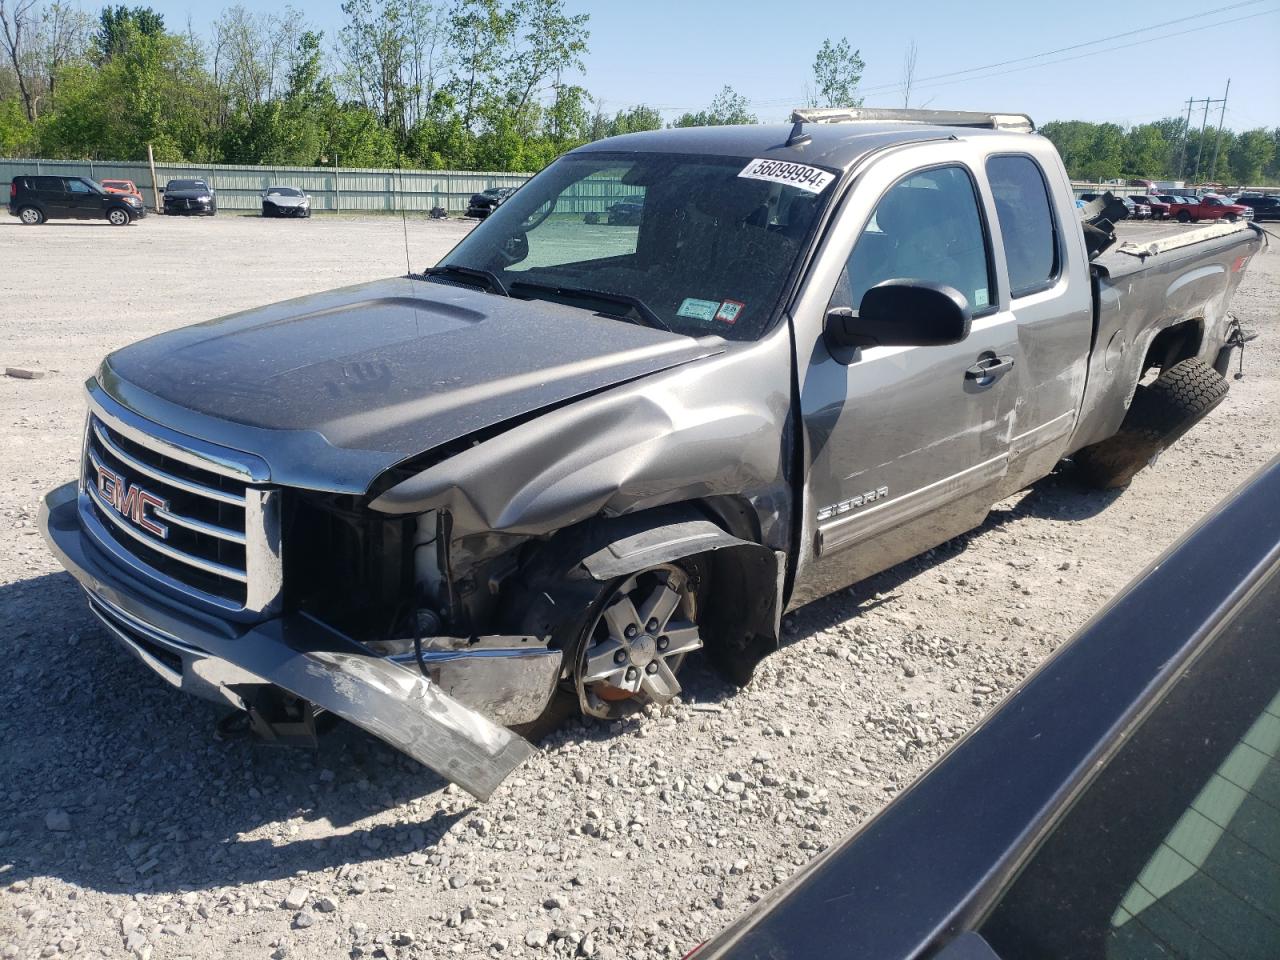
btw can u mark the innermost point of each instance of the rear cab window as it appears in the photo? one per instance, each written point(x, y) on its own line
point(1031, 245)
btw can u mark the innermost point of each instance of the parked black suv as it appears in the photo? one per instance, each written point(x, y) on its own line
point(35, 199)
point(190, 196)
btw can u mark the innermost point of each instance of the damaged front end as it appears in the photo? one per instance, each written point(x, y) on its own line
point(320, 668)
point(178, 549)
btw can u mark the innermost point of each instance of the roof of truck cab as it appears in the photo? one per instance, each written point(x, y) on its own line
point(837, 145)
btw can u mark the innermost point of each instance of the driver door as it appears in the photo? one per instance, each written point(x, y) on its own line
point(906, 446)
point(82, 202)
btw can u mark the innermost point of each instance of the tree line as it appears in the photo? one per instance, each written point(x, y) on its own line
point(431, 84)
point(1167, 150)
point(460, 84)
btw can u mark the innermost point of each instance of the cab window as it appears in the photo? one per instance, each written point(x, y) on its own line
point(927, 226)
point(1026, 222)
point(78, 186)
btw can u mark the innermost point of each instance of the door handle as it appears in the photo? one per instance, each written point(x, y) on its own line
point(988, 368)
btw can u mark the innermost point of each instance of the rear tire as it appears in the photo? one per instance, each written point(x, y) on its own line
point(1184, 217)
point(30, 216)
point(1161, 413)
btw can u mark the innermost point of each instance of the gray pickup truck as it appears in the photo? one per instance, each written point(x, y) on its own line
point(575, 452)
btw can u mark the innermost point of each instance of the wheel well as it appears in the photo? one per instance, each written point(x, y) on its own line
point(1173, 344)
point(555, 583)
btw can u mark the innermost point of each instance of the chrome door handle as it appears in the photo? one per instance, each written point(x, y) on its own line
point(988, 368)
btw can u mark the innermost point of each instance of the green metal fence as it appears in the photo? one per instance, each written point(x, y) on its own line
point(240, 187)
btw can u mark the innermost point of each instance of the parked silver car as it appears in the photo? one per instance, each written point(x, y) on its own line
point(285, 202)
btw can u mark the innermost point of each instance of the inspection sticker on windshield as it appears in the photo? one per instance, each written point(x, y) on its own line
point(793, 174)
point(729, 310)
point(698, 309)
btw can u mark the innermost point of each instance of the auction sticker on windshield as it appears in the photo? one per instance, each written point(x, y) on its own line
point(799, 175)
point(698, 309)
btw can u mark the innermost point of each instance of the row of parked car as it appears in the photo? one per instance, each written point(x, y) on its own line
point(35, 199)
point(1248, 206)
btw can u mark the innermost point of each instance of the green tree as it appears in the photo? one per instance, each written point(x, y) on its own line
point(1251, 154)
point(837, 71)
point(1146, 152)
point(17, 133)
point(727, 107)
point(118, 24)
point(479, 31)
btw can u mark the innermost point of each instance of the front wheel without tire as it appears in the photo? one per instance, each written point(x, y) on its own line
point(1160, 413)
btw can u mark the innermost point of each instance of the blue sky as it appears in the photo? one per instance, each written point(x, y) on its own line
point(676, 54)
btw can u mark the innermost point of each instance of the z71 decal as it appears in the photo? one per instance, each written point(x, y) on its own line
point(853, 503)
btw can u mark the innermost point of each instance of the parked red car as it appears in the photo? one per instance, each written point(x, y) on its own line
point(121, 187)
point(1158, 208)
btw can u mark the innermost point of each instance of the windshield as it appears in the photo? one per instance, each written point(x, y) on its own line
point(284, 192)
point(707, 249)
point(188, 185)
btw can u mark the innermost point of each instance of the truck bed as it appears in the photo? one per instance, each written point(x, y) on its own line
point(1138, 241)
point(1156, 277)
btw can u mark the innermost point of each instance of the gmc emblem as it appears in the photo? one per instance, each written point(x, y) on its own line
point(131, 501)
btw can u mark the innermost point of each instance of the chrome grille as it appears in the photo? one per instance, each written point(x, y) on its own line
point(193, 524)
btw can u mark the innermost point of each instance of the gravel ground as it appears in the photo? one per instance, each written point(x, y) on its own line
point(128, 828)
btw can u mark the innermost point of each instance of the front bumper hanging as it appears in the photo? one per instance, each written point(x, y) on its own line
point(297, 653)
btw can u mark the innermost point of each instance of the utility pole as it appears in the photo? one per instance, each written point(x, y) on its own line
point(1186, 135)
point(1195, 177)
point(1213, 172)
point(155, 186)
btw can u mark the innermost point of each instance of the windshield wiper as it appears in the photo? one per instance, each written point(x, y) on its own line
point(488, 278)
point(635, 306)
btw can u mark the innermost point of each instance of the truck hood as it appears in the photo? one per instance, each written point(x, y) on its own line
point(332, 389)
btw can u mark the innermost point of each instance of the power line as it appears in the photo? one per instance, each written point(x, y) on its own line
point(1122, 46)
point(936, 80)
point(1077, 46)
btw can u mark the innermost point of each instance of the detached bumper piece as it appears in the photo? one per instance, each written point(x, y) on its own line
point(238, 664)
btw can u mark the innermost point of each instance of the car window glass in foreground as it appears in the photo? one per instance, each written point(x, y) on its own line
point(1026, 222)
point(925, 227)
point(78, 186)
point(706, 249)
point(1174, 851)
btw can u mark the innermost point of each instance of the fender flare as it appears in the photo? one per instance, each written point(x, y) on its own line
point(659, 544)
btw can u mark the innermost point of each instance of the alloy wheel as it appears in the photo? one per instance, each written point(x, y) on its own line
point(645, 630)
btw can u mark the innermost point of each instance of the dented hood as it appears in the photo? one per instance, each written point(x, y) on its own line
point(332, 389)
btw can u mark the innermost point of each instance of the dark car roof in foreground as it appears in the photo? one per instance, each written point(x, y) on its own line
point(829, 145)
point(926, 866)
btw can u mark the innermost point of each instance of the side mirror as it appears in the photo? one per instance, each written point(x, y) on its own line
point(899, 313)
point(515, 249)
